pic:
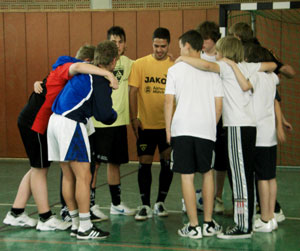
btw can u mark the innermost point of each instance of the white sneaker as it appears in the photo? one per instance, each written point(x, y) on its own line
point(191, 232)
point(219, 206)
point(121, 209)
point(143, 213)
point(53, 224)
point(96, 214)
point(274, 224)
point(260, 226)
point(212, 228)
point(160, 209)
point(279, 216)
point(22, 220)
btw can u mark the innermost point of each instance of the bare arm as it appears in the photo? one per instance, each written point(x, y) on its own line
point(279, 125)
point(219, 106)
point(244, 83)
point(169, 101)
point(84, 68)
point(133, 107)
point(287, 71)
point(268, 66)
point(199, 63)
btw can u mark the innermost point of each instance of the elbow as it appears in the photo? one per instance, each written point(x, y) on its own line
point(107, 119)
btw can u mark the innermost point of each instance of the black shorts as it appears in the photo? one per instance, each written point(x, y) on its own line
point(191, 154)
point(265, 162)
point(221, 160)
point(149, 139)
point(110, 145)
point(35, 146)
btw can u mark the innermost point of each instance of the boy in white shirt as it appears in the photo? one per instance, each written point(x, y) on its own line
point(198, 97)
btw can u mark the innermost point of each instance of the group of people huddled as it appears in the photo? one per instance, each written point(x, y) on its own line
point(214, 107)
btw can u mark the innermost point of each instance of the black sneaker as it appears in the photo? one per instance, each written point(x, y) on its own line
point(73, 232)
point(234, 233)
point(65, 215)
point(92, 233)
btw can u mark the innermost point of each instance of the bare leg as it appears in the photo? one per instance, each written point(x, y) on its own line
point(273, 195)
point(188, 192)
point(220, 180)
point(24, 191)
point(39, 188)
point(83, 180)
point(208, 195)
point(94, 181)
point(68, 186)
point(113, 174)
point(264, 197)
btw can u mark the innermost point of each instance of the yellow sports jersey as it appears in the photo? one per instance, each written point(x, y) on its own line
point(149, 76)
point(120, 96)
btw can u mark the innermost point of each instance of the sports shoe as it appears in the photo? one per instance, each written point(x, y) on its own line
point(234, 233)
point(74, 232)
point(65, 215)
point(53, 224)
point(191, 232)
point(121, 209)
point(219, 206)
point(22, 220)
point(279, 216)
point(160, 209)
point(92, 233)
point(260, 226)
point(211, 228)
point(274, 224)
point(143, 213)
point(183, 206)
point(96, 214)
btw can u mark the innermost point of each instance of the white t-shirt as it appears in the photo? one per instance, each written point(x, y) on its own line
point(208, 57)
point(238, 107)
point(195, 93)
point(264, 94)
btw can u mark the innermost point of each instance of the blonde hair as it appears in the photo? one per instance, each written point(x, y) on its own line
point(86, 52)
point(231, 47)
point(105, 53)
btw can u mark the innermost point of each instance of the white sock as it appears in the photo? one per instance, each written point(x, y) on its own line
point(84, 222)
point(75, 219)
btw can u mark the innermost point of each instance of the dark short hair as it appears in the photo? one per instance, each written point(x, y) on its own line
point(162, 33)
point(105, 53)
point(117, 31)
point(255, 53)
point(209, 30)
point(193, 38)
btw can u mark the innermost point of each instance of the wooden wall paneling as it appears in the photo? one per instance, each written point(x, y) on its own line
point(37, 48)
point(128, 21)
point(80, 30)
point(212, 15)
point(3, 139)
point(147, 22)
point(192, 18)
point(101, 22)
point(15, 81)
point(58, 36)
point(172, 20)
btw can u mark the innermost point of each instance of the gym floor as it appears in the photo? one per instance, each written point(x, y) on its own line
point(154, 234)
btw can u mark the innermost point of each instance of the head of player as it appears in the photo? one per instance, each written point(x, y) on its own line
point(230, 47)
point(210, 34)
point(254, 53)
point(190, 44)
point(160, 43)
point(242, 31)
point(118, 36)
point(86, 53)
point(106, 54)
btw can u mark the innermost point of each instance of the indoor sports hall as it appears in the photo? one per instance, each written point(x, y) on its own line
point(34, 33)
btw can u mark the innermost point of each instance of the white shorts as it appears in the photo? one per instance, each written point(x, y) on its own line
point(67, 140)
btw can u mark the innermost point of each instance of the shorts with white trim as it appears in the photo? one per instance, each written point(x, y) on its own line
point(191, 154)
point(265, 162)
point(35, 146)
point(67, 140)
point(110, 145)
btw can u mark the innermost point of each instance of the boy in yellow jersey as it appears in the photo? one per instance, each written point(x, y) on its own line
point(147, 83)
point(110, 141)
